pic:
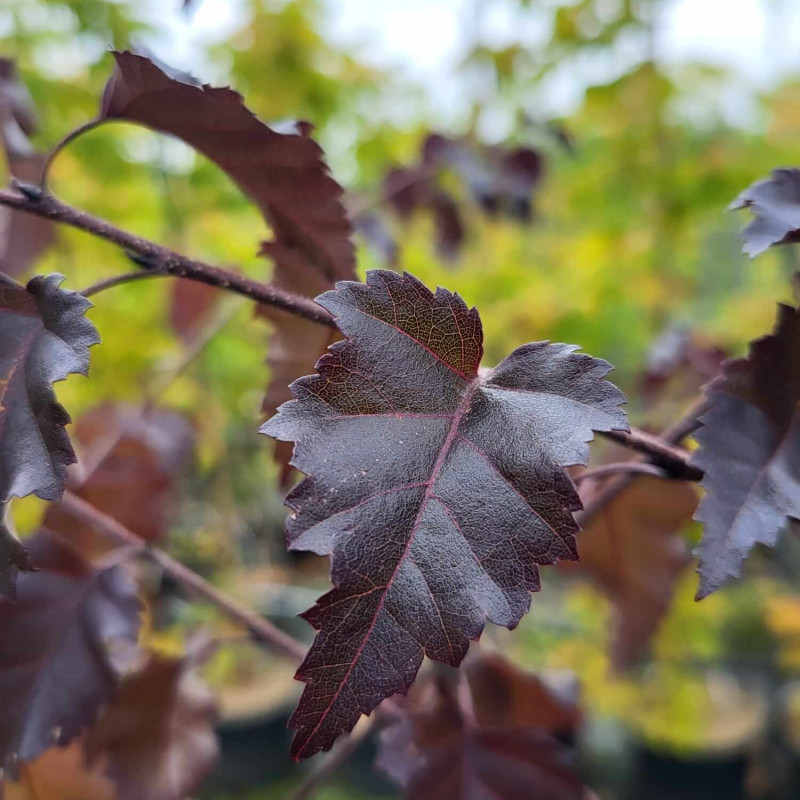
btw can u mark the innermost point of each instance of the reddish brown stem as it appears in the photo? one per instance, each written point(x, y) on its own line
point(259, 628)
point(119, 280)
point(621, 467)
point(156, 257)
point(70, 137)
point(670, 457)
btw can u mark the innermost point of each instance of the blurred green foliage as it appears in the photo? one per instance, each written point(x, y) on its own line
point(631, 238)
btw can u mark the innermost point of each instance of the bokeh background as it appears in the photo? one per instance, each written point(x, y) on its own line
point(649, 117)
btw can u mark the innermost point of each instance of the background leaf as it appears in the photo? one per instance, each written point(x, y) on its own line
point(65, 644)
point(282, 172)
point(634, 551)
point(750, 452)
point(44, 337)
point(453, 741)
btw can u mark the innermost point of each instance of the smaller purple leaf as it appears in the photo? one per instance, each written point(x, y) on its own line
point(775, 205)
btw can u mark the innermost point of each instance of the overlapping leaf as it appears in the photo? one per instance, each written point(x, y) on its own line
point(65, 642)
point(775, 204)
point(61, 773)
point(436, 491)
point(490, 750)
point(283, 172)
point(154, 741)
point(750, 452)
point(634, 552)
point(44, 337)
point(135, 458)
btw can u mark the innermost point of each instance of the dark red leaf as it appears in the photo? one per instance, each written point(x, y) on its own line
point(504, 696)
point(65, 643)
point(750, 452)
point(501, 180)
point(44, 337)
point(436, 491)
point(444, 746)
point(135, 457)
point(775, 204)
point(410, 190)
point(156, 739)
point(450, 233)
point(191, 305)
point(284, 173)
point(634, 552)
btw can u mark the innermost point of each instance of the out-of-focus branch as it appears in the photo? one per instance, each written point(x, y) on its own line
point(257, 626)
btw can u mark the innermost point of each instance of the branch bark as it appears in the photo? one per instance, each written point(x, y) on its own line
point(156, 257)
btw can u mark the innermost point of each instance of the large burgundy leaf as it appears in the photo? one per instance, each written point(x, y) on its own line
point(471, 742)
point(283, 172)
point(44, 336)
point(436, 491)
point(64, 644)
point(750, 452)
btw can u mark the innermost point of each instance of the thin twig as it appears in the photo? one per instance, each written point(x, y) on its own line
point(70, 137)
point(639, 467)
point(157, 257)
point(259, 628)
point(118, 280)
point(341, 753)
